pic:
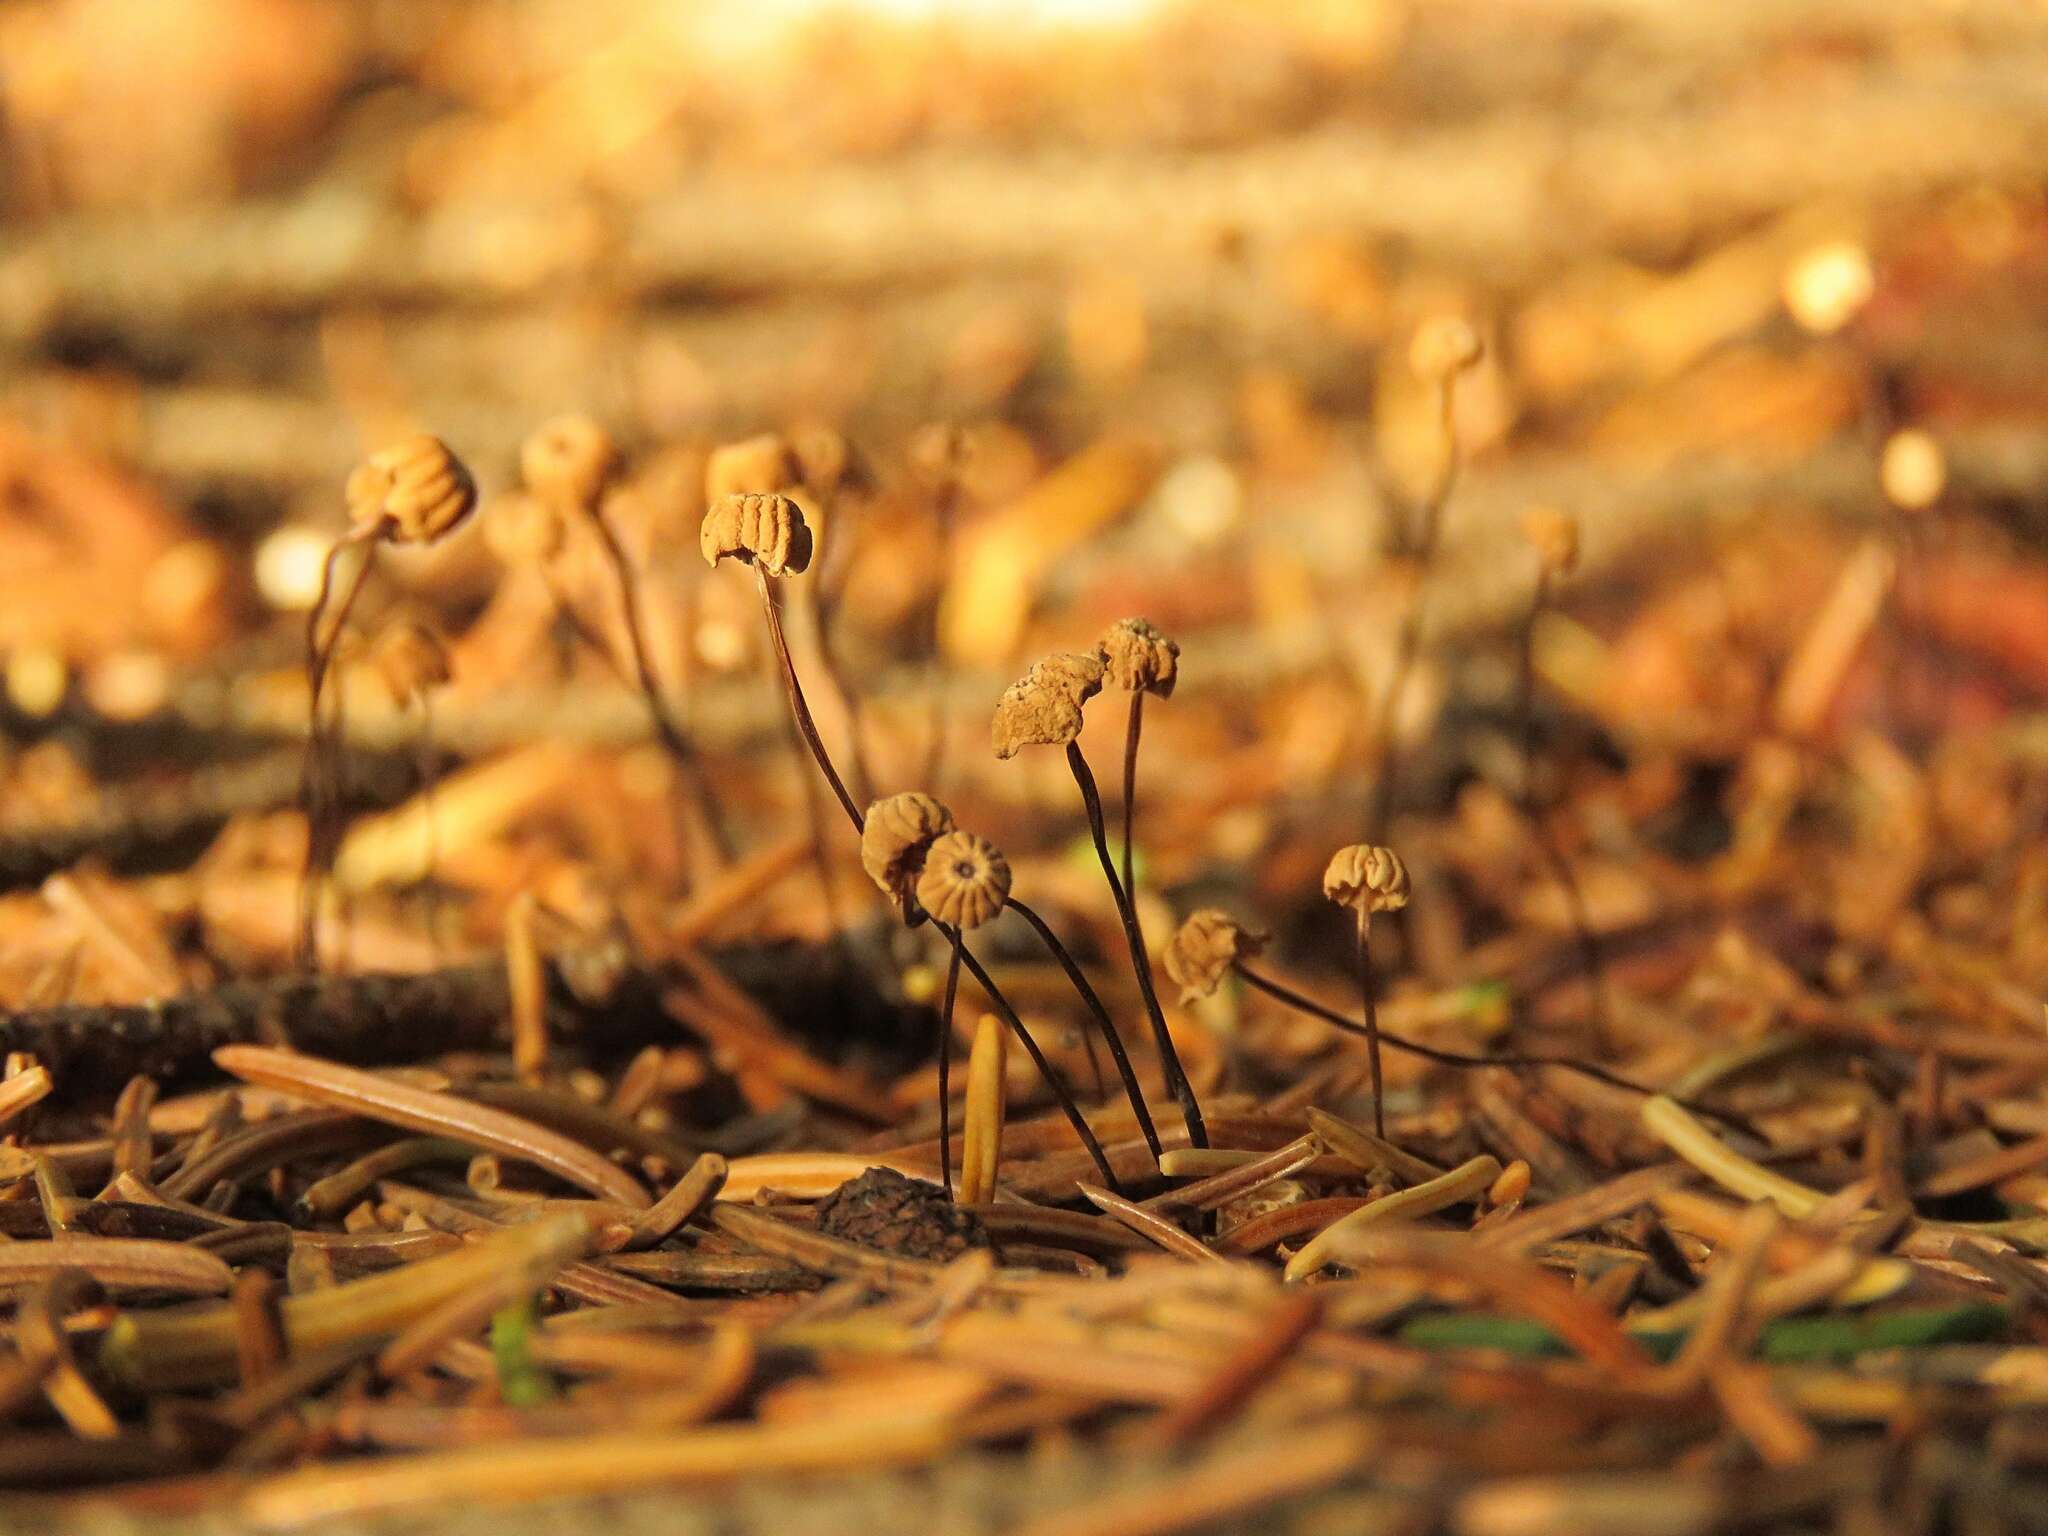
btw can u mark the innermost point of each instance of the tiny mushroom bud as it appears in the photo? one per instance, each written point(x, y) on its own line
point(1207, 945)
point(1140, 657)
point(965, 882)
point(524, 530)
point(762, 529)
point(568, 462)
point(763, 463)
point(1367, 879)
point(1443, 348)
point(1043, 708)
point(409, 659)
point(894, 840)
point(417, 488)
point(827, 463)
point(1554, 534)
point(939, 451)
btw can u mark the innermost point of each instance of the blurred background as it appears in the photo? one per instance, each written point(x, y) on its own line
point(1760, 283)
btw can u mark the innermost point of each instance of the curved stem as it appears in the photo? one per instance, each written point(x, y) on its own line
point(1117, 1053)
point(1045, 1068)
point(666, 726)
point(1372, 1024)
point(800, 709)
point(1176, 1078)
point(1131, 734)
point(317, 796)
point(945, 1070)
point(1302, 1003)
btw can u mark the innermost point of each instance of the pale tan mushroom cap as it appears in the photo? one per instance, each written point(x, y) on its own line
point(523, 530)
point(965, 882)
point(762, 529)
point(1139, 656)
point(828, 463)
point(898, 831)
point(418, 485)
point(1043, 708)
point(568, 462)
point(1206, 946)
point(1554, 535)
point(759, 464)
point(1443, 347)
point(1367, 879)
point(410, 659)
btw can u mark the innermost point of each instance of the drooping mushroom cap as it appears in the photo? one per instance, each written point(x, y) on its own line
point(760, 528)
point(965, 882)
point(1139, 656)
point(1443, 348)
point(1206, 946)
point(894, 841)
point(1367, 879)
point(409, 658)
point(418, 487)
point(1043, 708)
point(1554, 534)
point(568, 462)
point(760, 464)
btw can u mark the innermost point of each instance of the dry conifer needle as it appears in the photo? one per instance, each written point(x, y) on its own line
point(1043, 708)
point(760, 528)
point(965, 882)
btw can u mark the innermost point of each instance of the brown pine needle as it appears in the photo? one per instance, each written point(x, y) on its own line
point(981, 1145)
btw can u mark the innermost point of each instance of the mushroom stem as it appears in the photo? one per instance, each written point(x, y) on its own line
point(1089, 996)
point(1045, 1069)
point(1176, 1078)
point(1131, 734)
point(1531, 807)
point(673, 737)
point(800, 710)
point(317, 794)
point(1372, 1022)
point(946, 1068)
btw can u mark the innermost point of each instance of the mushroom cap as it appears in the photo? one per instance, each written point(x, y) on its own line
point(761, 528)
point(761, 464)
point(1444, 347)
point(1205, 947)
point(828, 463)
point(898, 831)
point(965, 882)
point(1139, 656)
point(409, 658)
point(567, 462)
point(1367, 879)
point(1043, 707)
point(418, 487)
point(524, 530)
point(1554, 534)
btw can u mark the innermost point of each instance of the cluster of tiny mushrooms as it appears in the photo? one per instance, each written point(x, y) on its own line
point(930, 869)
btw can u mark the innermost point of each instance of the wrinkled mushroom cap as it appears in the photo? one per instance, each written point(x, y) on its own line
point(1367, 879)
point(1206, 946)
point(965, 882)
point(894, 839)
point(759, 464)
point(418, 486)
point(760, 528)
point(1043, 708)
point(1139, 656)
point(568, 461)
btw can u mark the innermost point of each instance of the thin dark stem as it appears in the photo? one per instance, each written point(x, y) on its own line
point(666, 726)
point(1532, 812)
point(1089, 996)
point(1176, 1078)
point(1308, 1005)
point(945, 1070)
point(1045, 1068)
point(1372, 1025)
point(1131, 734)
point(801, 710)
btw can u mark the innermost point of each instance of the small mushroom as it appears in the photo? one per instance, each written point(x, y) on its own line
point(1367, 879)
point(1443, 348)
point(763, 529)
point(1554, 534)
point(899, 831)
point(965, 882)
point(409, 659)
point(760, 464)
point(568, 462)
point(523, 530)
point(1205, 948)
point(1043, 708)
point(1140, 658)
point(417, 490)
